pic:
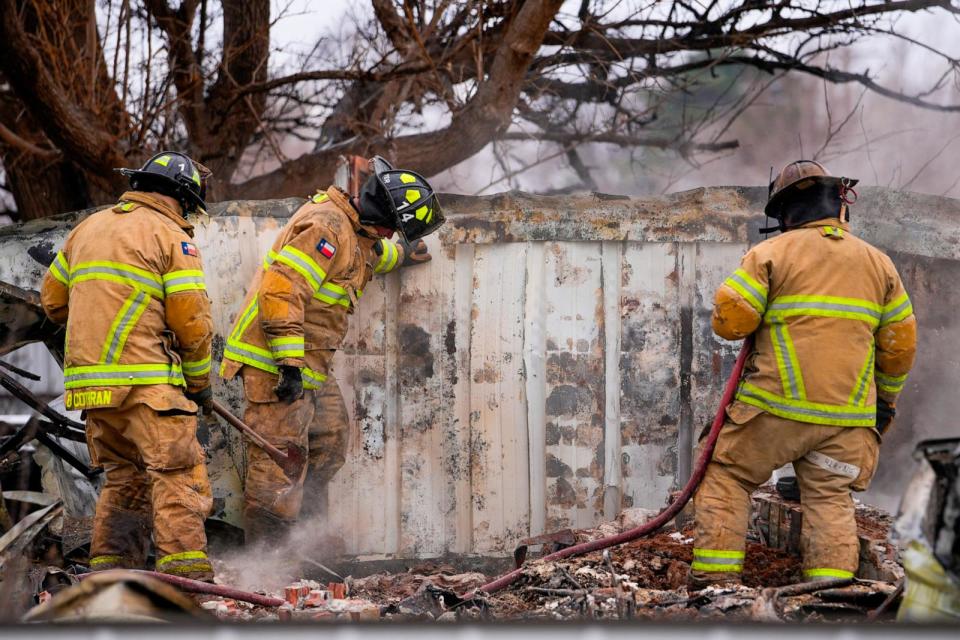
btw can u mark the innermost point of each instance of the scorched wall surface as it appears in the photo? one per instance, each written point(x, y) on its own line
point(554, 362)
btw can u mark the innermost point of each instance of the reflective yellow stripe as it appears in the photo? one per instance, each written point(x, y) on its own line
point(718, 560)
point(312, 379)
point(262, 359)
point(184, 280)
point(117, 272)
point(187, 568)
point(786, 356)
point(196, 368)
point(287, 347)
point(826, 572)
point(804, 411)
point(890, 384)
point(124, 322)
point(859, 394)
point(824, 306)
point(60, 270)
point(751, 290)
point(718, 553)
point(184, 555)
point(899, 309)
point(716, 568)
point(247, 317)
point(113, 375)
point(251, 355)
point(299, 262)
point(98, 560)
point(329, 294)
point(388, 258)
point(320, 197)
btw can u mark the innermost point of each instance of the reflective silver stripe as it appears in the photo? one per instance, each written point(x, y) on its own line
point(826, 306)
point(196, 368)
point(184, 280)
point(59, 268)
point(843, 413)
point(863, 382)
point(159, 375)
point(789, 366)
point(311, 376)
point(113, 353)
point(827, 463)
point(244, 321)
point(903, 306)
point(152, 286)
point(318, 276)
point(242, 354)
point(891, 384)
point(761, 296)
point(330, 293)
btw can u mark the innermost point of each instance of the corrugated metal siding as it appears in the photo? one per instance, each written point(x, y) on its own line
point(538, 386)
point(554, 361)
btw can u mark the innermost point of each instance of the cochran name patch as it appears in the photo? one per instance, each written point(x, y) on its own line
point(87, 399)
point(326, 249)
point(189, 249)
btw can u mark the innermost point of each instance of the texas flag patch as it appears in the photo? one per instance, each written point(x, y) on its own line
point(326, 249)
point(189, 249)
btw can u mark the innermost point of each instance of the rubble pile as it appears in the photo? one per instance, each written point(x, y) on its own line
point(643, 579)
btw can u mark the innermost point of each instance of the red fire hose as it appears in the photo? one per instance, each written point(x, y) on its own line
point(673, 509)
point(196, 586)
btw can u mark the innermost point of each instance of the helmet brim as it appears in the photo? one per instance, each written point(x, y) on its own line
point(783, 195)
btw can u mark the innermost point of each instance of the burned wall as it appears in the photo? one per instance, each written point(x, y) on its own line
point(552, 363)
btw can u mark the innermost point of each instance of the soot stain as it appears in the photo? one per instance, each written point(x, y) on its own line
point(415, 353)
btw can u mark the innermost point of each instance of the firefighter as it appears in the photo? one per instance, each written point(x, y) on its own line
point(129, 287)
point(834, 339)
point(295, 316)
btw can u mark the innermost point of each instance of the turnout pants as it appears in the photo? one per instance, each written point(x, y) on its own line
point(319, 423)
point(156, 481)
point(830, 462)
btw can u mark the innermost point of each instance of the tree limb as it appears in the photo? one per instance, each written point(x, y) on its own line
point(481, 120)
point(63, 121)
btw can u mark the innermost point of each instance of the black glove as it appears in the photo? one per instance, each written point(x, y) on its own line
point(886, 412)
point(290, 388)
point(203, 398)
point(414, 252)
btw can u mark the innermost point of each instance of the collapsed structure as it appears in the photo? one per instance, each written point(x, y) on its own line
point(562, 358)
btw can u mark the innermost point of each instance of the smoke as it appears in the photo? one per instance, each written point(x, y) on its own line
point(270, 566)
point(854, 133)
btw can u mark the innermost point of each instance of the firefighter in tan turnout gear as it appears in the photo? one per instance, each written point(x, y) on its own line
point(129, 286)
point(834, 340)
point(295, 316)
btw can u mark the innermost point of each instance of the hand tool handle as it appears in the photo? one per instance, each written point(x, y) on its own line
point(241, 426)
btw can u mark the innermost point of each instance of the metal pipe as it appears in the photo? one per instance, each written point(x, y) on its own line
point(673, 509)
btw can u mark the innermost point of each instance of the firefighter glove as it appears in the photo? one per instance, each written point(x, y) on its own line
point(290, 388)
point(203, 398)
point(885, 415)
point(414, 252)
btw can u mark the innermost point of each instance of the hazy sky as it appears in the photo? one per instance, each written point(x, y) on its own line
point(888, 143)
